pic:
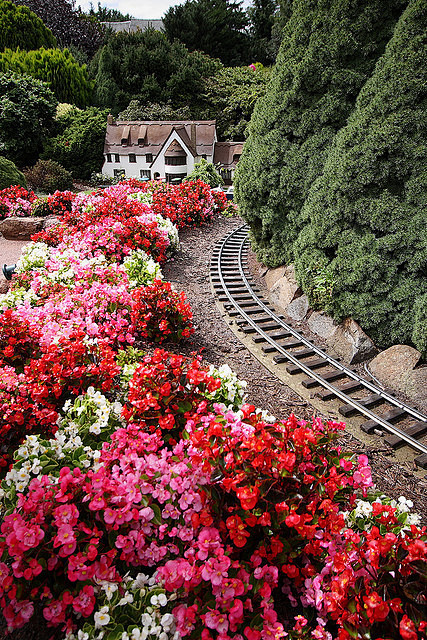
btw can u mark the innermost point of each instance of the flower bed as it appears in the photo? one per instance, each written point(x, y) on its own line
point(146, 499)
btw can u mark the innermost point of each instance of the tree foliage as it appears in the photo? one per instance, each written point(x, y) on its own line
point(10, 174)
point(20, 27)
point(329, 50)
point(69, 25)
point(79, 145)
point(366, 213)
point(262, 15)
point(217, 27)
point(155, 111)
point(66, 78)
point(231, 94)
point(206, 172)
point(104, 14)
point(27, 110)
point(145, 66)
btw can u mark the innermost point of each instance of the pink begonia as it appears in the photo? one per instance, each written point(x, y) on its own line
point(84, 603)
point(208, 541)
point(235, 614)
point(65, 535)
point(66, 514)
point(185, 618)
point(216, 569)
point(216, 620)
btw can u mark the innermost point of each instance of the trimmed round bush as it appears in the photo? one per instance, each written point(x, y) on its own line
point(49, 176)
point(10, 174)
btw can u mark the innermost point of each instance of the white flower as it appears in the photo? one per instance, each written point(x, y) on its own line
point(109, 588)
point(127, 599)
point(101, 618)
point(162, 600)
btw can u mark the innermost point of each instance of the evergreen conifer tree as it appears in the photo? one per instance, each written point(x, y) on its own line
point(328, 51)
point(21, 27)
point(65, 77)
point(367, 228)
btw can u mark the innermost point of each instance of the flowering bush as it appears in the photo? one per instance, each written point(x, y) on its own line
point(186, 204)
point(16, 201)
point(232, 390)
point(55, 204)
point(244, 526)
point(159, 313)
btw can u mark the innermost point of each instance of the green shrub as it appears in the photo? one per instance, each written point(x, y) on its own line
point(328, 51)
point(10, 175)
point(65, 77)
point(80, 144)
point(206, 172)
point(27, 109)
point(49, 176)
point(366, 213)
point(20, 27)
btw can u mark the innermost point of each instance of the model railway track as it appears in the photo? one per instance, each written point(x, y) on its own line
point(399, 424)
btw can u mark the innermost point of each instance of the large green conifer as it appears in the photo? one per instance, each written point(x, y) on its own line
point(328, 51)
point(20, 27)
point(367, 226)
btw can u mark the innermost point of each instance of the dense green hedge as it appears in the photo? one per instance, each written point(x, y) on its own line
point(328, 51)
point(10, 174)
point(20, 27)
point(367, 212)
point(66, 78)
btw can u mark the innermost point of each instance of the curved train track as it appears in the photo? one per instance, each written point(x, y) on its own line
point(382, 414)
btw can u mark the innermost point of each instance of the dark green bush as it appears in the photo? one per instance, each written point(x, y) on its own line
point(49, 176)
point(27, 110)
point(328, 51)
point(366, 214)
point(10, 175)
point(79, 145)
point(145, 66)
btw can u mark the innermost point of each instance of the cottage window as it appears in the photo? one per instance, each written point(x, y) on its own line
point(132, 157)
point(176, 161)
point(226, 174)
point(109, 159)
point(148, 157)
point(236, 157)
point(174, 178)
point(116, 157)
point(145, 173)
point(119, 173)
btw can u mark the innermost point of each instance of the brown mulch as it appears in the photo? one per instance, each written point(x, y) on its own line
point(189, 272)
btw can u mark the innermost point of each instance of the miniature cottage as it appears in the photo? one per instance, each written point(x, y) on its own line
point(165, 150)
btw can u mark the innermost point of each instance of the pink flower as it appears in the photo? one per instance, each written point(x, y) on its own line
point(216, 569)
point(216, 620)
point(84, 603)
point(65, 535)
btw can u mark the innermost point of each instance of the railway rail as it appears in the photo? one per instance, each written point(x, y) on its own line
point(383, 414)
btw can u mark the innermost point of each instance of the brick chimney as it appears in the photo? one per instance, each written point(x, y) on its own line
point(110, 119)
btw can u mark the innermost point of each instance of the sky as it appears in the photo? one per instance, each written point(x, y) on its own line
point(138, 8)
